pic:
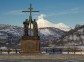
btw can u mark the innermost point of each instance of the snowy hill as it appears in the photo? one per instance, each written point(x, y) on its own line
point(74, 36)
point(50, 35)
point(42, 23)
point(62, 26)
point(12, 34)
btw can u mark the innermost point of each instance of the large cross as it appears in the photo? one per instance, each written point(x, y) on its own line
point(30, 17)
point(30, 10)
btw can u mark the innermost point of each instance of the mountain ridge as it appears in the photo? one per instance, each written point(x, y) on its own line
point(49, 35)
point(14, 33)
point(42, 23)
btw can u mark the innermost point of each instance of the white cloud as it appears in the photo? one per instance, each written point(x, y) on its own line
point(14, 12)
point(66, 12)
point(73, 9)
point(19, 12)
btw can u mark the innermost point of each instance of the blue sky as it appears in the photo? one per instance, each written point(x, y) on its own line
point(70, 12)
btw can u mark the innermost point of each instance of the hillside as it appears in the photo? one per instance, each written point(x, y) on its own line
point(74, 36)
point(11, 35)
point(49, 36)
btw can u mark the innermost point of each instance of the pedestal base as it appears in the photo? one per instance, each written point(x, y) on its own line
point(30, 46)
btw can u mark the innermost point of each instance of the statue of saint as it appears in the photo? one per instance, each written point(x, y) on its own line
point(26, 27)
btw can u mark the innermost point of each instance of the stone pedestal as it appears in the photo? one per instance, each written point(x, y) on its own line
point(30, 45)
point(30, 40)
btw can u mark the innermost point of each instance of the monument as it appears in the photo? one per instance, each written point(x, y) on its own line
point(30, 40)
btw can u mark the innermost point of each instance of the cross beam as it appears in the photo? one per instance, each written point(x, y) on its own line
point(30, 10)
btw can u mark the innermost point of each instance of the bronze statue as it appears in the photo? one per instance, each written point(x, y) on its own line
point(30, 40)
point(26, 27)
point(27, 23)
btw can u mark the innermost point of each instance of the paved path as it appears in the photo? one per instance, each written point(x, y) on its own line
point(25, 57)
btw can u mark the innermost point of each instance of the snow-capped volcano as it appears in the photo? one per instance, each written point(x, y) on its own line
point(42, 23)
point(62, 26)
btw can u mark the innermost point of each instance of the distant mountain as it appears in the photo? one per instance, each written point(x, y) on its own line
point(11, 29)
point(74, 36)
point(50, 35)
point(12, 34)
point(62, 26)
point(42, 23)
